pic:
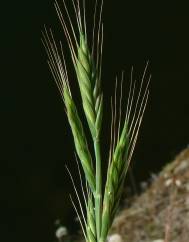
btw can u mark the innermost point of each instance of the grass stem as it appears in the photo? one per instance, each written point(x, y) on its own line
point(98, 195)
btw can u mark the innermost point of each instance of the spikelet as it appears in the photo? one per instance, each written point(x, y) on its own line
point(88, 68)
point(58, 69)
point(115, 178)
point(122, 154)
point(89, 84)
point(79, 139)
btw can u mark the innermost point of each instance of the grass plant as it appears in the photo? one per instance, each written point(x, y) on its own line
point(100, 205)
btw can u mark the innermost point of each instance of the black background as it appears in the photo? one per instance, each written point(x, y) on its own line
point(35, 140)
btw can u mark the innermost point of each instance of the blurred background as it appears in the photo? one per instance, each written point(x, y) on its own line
point(35, 139)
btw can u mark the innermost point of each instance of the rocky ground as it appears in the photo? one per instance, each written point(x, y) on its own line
point(161, 212)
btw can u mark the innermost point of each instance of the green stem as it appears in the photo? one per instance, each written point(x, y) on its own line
point(98, 195)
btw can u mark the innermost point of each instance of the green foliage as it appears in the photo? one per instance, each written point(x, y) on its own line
point(101, 206)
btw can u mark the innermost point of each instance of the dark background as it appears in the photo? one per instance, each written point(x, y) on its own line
point(35, 140)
